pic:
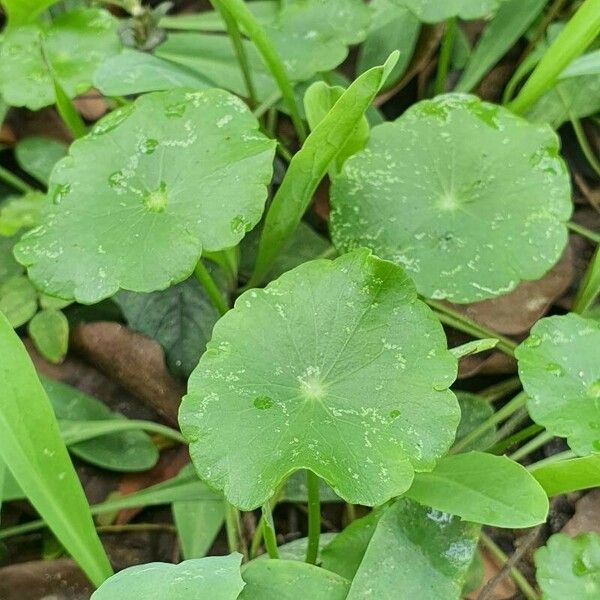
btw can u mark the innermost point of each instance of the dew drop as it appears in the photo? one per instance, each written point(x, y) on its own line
point(579, 567)
point(533, 341)
point(148, 146)
point(394, 414)
point(60, 191)
point(239, 224)
point(263, 402)
point(175, 110)
point(554, 369)
point(593, 390)
point(440, 387)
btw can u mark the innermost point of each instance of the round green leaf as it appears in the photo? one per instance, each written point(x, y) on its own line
point(569, 567)
point(467, 221)
point(74, 44)
point(335, 367)
point(37, 156)
point(49, 330)
point(9, 267)
point(290, 580)
point(434, 11)
point(139, 198)
point(18, 300)
point(214, 577)
point(559, 365)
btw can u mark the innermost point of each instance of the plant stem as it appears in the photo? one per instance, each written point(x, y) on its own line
point(566, 455)
point(584, 232)
point(532, 445)
point(445, 55)
point(238, 46)
point(499, 390)
point(584, 144)
point(314, 517)
point(129, 527)
point(233, 530)
point(257, 34)
point(454, 319)
point(211, 288)
point(268, 531)
point(541, 28)
point(516, 575)
point(590, 285)
point(576, 36)
point(14, 181)
point(267, 104)
point(508, 409)
point(503, 445)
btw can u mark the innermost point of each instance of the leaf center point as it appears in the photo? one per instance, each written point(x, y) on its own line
point(157, 200)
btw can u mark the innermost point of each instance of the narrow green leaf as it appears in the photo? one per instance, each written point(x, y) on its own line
point(569, 475)
point(590, 286)
point(311, 163)
point(483, 488)
point(510, 23)
point(198, 524)
point(31, 446)
point(66, 109)
point(319, 99)
point(49, 331)
point(577, 35)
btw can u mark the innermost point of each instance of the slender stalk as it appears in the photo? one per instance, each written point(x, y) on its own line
point(532, 445)
point(238, 47)
point(16, 182)
point(211, 288)
point(584, 144)
point(508, 409)
point(590, 285)
point(584, 232)
point(257, 34)
point(541, 28)
point(454, 319)
point(267, 104)
point(233, 530)
point(512, 424)
point(445, 56)
point(499, 390)
point(129, 527)
point(314, 517)
point(576, 36)
point(516, 575)
point(566, 455)
point(268, 531)
point(502, 446)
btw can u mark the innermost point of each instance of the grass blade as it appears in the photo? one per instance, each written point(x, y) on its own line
point(32, 448)
point(510, 23)
point(577, 35)
point(311, 163)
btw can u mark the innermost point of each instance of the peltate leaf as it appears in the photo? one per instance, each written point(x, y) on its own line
point(569, 567)
point(138, 199)
point(75, 43)
point(335, 367)
point(559, 365)
point(467, 221)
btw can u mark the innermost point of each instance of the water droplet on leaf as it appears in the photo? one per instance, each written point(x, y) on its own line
point(263, 402)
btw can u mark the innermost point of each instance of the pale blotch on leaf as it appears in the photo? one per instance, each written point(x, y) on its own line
point(467, 221)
